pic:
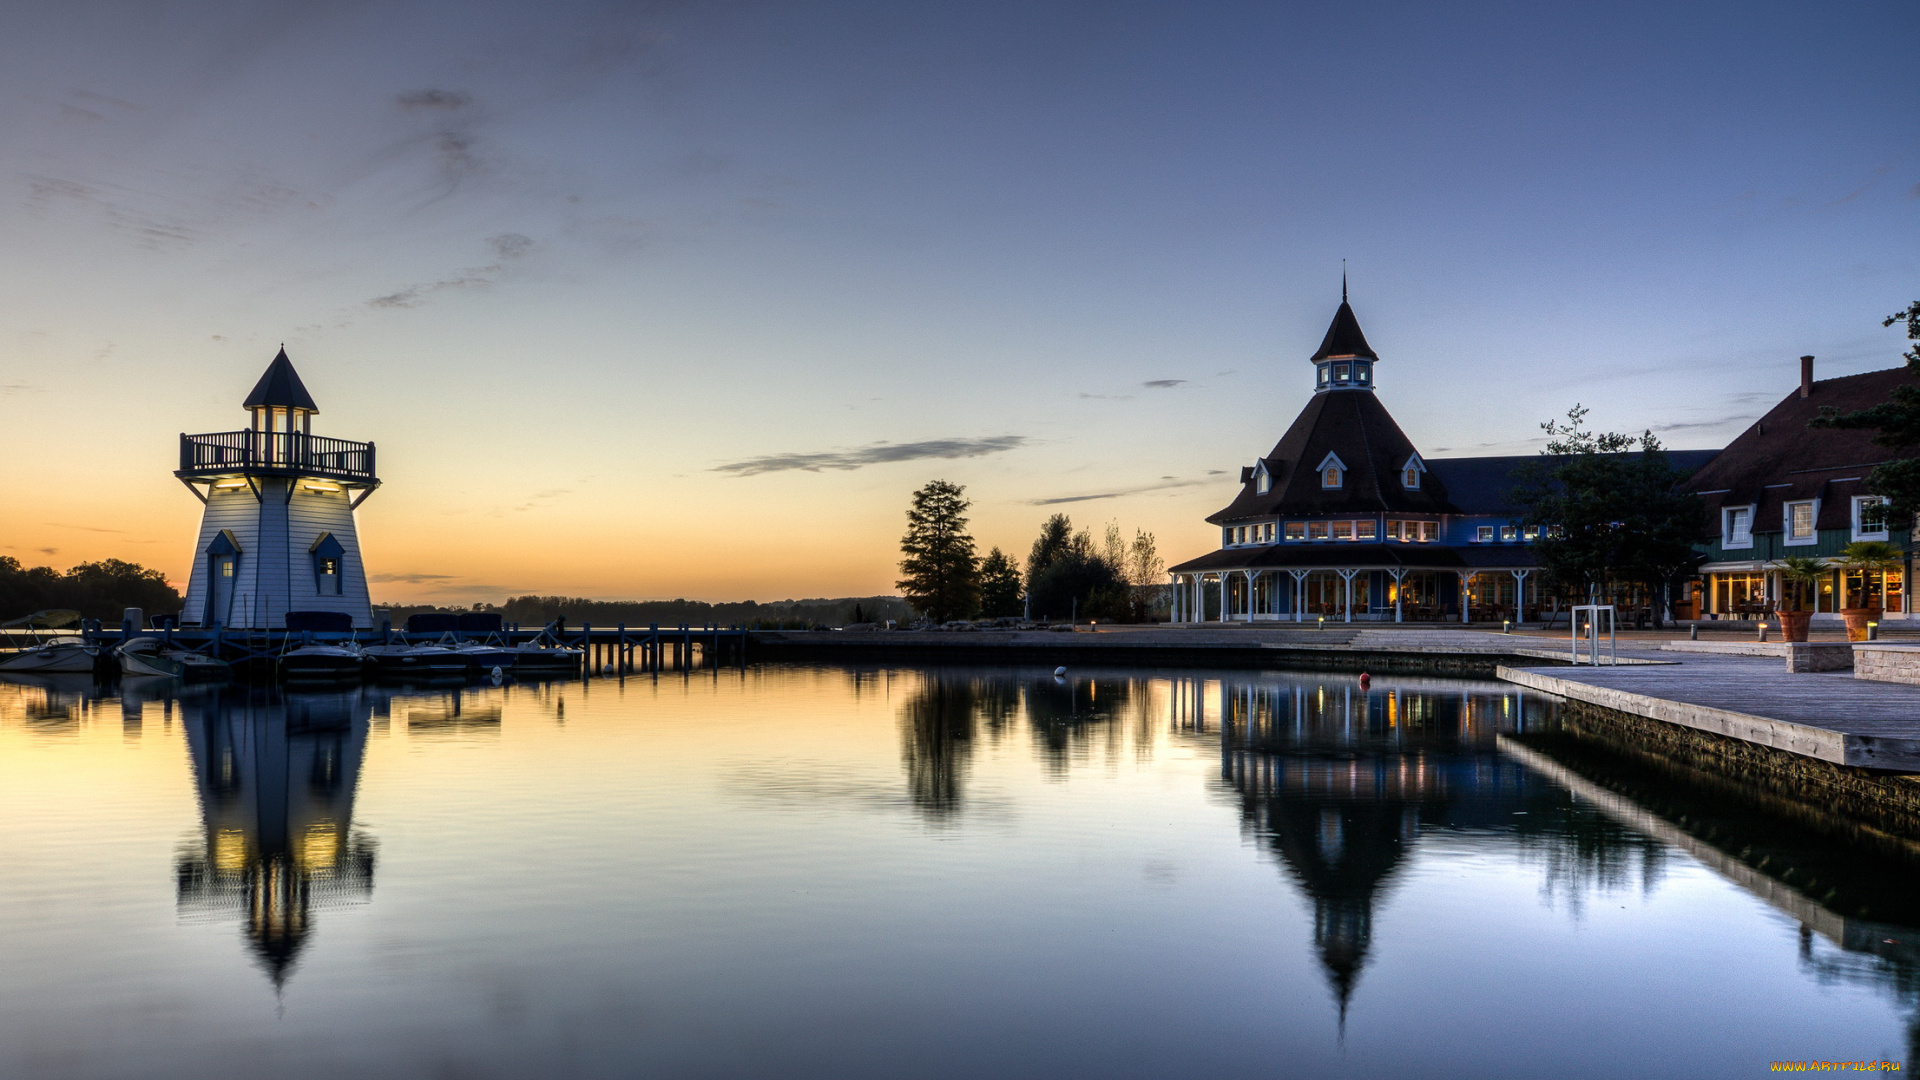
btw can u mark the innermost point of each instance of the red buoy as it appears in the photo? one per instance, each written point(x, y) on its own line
point(1364, 680)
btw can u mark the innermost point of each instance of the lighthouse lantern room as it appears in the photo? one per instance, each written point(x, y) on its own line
point(278, 532)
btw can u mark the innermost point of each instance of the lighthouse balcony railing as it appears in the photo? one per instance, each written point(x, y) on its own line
point(276, 452)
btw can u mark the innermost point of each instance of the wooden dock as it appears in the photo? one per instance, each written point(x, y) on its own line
point(1826, 715)
point(619, 647)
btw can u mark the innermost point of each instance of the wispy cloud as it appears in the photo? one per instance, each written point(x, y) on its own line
point(433, 100)
point(1163, 384)
point(881, 453)
point(84, 528)
point(408, 579)
point(21, 388)
point(413, 295)
point(1165, 483)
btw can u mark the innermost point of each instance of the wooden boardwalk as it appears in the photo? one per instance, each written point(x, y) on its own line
point(1827, 715)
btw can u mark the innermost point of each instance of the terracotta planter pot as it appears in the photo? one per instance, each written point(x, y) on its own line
point(1857, 619)
point(1793, 624)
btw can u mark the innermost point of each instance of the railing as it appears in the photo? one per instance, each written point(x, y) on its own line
point(276, 451)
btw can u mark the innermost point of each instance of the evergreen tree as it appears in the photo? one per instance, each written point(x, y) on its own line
point(999, 585)
point(942, 579)
point(1608, 509)
point(1068, 576)
point(1055, 543)
point(1897, 419)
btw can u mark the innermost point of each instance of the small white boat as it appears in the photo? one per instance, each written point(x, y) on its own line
point(536, 659)
point(322, 662)
point(414, 659)
point(151, 656)
point(69, 655)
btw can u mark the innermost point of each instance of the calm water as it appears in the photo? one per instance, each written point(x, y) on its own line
point(897, 872)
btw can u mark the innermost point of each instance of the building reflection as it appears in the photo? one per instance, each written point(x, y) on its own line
point(1849, 887)
point(1338, 782)
point(276, 773)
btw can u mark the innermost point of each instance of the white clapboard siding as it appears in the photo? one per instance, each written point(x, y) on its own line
point(276, 532)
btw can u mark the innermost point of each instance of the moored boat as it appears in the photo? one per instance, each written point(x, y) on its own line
point(322, 662)
point(68, 655)
point(151, 656)
point(534, 658)
point(400, 659)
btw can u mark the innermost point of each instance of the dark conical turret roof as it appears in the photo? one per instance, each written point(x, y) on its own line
point(280, 387)
point(1344, 337)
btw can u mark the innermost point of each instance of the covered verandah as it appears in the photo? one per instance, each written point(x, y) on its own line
point(1356, 583)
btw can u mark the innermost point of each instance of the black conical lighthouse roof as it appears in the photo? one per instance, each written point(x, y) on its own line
point(1343, 336)
point(281, 388)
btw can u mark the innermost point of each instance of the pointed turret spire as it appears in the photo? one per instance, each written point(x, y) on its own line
point(280, 387)
point(1344, 338)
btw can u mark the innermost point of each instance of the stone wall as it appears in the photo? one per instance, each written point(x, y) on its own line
point(1887, 663)
point(1888, 803)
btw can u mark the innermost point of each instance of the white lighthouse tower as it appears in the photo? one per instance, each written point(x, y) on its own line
point(278, 532)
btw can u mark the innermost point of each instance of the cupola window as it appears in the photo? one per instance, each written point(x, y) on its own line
point(1410, 473)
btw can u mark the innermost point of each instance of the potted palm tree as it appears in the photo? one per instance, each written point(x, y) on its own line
point(1800, 572)
point(1866, 557)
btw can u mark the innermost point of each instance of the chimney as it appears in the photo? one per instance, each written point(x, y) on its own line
point(1806, 376)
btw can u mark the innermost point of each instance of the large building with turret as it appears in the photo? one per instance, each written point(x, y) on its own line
point(1345, 519)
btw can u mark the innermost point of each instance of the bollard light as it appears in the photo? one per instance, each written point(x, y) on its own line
point(1323, 622)
point(1506, 626)
point(1873, 631)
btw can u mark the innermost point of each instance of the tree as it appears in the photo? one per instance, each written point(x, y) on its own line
point(1146, 576)
point(1897, 420)
point(1608, 509)
point(942, 578)
point(999, 585)
point(1054, 543)
point(1068, 577)
point(99, 590)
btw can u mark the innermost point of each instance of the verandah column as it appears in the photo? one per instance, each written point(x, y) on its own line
point(1250, 575)
point(1519, 594)
point(1466, 598)
point(1398, 590)
point(1299, 592)
point(1346, 578)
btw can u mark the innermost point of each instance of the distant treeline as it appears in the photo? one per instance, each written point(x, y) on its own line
point(97, 590)
point(779, 614)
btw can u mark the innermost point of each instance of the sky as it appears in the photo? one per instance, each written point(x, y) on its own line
point(685, 299)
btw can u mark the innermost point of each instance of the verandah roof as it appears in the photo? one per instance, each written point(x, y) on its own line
point(1336, 555)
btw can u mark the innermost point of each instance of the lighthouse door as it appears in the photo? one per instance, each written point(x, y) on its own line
point(223, 566)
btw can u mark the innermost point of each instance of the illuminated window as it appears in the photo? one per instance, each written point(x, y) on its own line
point(1484, 534)
point(1343, 530)
point(1316, 530)
point(1532, 533)
point(1393, 530)
point(1736, 527)
point(1429, 531)
point(1330, 478)
point(1869, 518)
point(1364, 530)
point(328, 565)
point(1262, 480)
point(1296, 530)
point(1799, 522)
point(1509, 534)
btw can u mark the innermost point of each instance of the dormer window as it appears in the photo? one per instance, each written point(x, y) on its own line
point(1333, 472)
point(1410, 473)
point(1262, 479)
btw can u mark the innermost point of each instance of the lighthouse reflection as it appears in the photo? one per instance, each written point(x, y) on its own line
point(276, 773)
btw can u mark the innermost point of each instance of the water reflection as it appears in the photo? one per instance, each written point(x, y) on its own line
point(276, 774)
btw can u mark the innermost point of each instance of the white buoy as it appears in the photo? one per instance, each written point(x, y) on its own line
point(497, 673)
point(1059, 671)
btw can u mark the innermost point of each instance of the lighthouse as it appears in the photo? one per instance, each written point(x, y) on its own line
point(277, 534)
